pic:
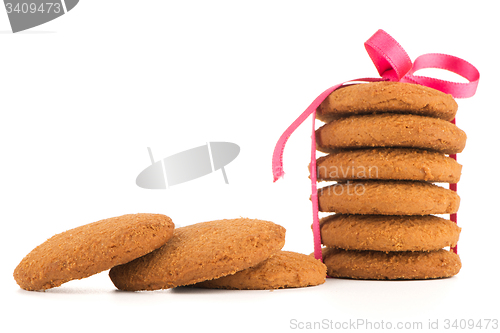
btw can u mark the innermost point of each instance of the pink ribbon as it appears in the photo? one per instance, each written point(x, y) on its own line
point(393, 64)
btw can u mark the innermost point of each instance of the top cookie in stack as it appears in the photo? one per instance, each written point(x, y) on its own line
point(387, 143)
point(387, 97)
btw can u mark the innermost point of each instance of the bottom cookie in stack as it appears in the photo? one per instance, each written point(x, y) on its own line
point(389, 247)
point(378, 265)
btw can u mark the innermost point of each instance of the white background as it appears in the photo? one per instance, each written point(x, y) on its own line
point(83, 96)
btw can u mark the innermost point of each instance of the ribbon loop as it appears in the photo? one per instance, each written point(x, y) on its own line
point(389, 57)
point(450, 63)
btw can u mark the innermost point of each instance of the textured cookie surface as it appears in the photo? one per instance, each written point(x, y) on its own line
point(391, 130)
point(200, 252)
point(388, 232)
point(394, 97)
point(92, 248)
point(376, 265)
point(388, 163)
point(282, 270)
point(390, 197)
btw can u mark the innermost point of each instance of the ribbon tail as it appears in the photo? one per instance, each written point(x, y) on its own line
point(278, 171)
point(314, 194)
point(453, 187)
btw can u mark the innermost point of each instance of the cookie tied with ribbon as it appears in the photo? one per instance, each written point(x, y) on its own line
point(389, 122)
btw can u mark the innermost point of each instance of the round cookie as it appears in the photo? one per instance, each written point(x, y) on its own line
point(376, 265)
point(391, 197)
point(387, 164)
point(388, 232)
point(394, 97)
point(92, 248)
point(391, 130)
point(282, 270)
point(200, 252)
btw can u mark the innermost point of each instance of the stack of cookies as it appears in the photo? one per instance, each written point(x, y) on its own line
point(387, 144)
point(147, 252)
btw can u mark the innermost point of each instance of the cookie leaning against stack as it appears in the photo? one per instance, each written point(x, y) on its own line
point(387, 143)
point(282, 270)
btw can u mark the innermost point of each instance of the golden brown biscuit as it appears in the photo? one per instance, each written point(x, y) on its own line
point(388, 163)
point(282, 270)
point(394, 97)
point(391, 197)
point(391, 130)
point(200, 252)
point(92, 248)
point(376, 265)
point(388, 232)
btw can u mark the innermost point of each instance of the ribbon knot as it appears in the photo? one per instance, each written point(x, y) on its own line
point(393, 64)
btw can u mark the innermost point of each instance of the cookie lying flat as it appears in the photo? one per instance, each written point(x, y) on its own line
point(391, 197)
point(200, 252)
point(376, 265)
point(391, 130)
point(388, 163)
point(282, 270)
point(388, 232)
point(92, 248)
point(394, 97)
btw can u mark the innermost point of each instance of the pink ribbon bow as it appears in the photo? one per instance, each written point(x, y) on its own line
point(393, 64)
